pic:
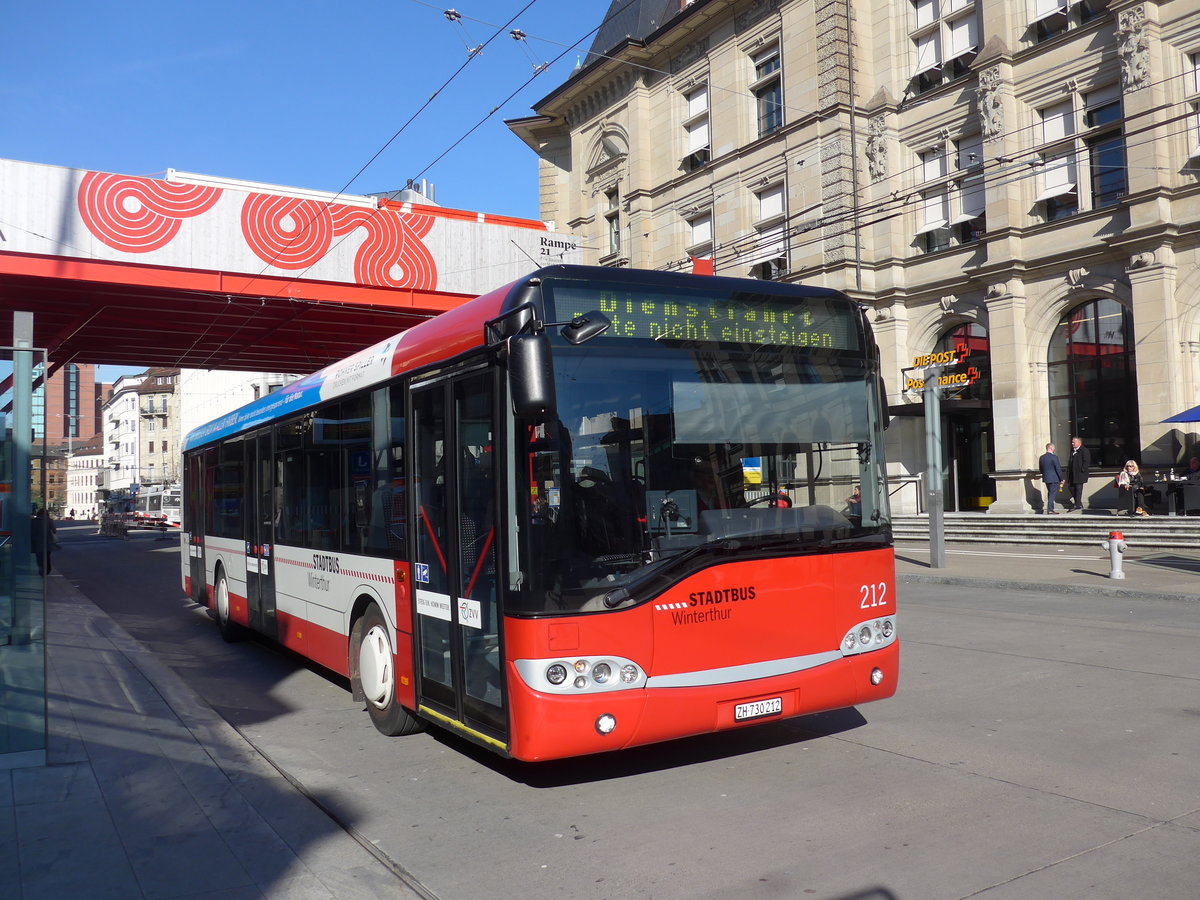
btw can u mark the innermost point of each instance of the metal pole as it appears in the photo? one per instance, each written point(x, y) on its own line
point(22, 499)
point(933, 455)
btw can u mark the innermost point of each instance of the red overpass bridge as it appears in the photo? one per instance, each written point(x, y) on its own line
point(198, 272)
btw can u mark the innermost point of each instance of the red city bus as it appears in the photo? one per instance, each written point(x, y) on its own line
point(593, 509)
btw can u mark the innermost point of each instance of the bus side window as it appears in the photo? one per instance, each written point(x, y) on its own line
point(384, 528)
point(354, 485)
point(289, 499)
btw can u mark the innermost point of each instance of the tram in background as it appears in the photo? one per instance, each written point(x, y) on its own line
point(593, 509)
point(157, 507)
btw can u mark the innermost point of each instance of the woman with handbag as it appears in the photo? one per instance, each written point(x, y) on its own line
point(1132, 490)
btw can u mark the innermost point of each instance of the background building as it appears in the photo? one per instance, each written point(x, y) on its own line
point(84, 477)
point(1014, 182)
point(66, 414)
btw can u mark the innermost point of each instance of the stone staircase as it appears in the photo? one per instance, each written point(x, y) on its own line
point(1067, 529)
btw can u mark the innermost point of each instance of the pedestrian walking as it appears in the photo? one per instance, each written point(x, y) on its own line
point(43, 539)
point(1077, 471)
point(1052, 476)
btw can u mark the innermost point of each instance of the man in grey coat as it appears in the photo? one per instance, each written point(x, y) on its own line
point(1052, 475)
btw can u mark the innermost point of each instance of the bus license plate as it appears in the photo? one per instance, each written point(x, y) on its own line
point(758, 709)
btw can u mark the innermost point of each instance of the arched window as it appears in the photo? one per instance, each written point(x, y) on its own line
point(967, 430)
point(970, 342)
point(1093, 382)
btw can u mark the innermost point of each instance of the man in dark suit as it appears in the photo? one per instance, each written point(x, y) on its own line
point(1077, 471)
point(1052, 475)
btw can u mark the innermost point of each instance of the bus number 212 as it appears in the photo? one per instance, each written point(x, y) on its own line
point(873, 595)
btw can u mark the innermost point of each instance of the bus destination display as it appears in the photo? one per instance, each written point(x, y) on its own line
point(759, 319)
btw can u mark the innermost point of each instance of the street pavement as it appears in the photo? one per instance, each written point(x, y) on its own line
point(1147, 571)
point(149, 793)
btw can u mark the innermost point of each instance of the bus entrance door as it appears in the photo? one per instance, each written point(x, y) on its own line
point(458, 620)
point(193, 526)
point(259, 519)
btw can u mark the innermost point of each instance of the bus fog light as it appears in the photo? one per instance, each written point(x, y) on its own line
point(581, 681)
point(864, 635)
point(888, 629)
point(601, 673)
point(606, 724)
point(629, 673)
point(556, 674)
point(876, 676)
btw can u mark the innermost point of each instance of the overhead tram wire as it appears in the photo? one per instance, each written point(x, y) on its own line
point(471, 54)
point(537, 71)
point(300, 231)
point(623, 62)
point(821, 223)
point(1008, 170)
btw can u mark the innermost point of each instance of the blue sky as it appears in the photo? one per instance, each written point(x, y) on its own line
point(301, 94)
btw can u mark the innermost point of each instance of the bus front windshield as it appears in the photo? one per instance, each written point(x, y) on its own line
point(663, 459)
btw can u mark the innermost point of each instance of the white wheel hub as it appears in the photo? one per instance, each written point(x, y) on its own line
point(375, 670)
point(223, 600)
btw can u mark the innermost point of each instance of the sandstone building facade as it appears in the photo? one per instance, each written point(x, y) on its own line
point(1015, 183)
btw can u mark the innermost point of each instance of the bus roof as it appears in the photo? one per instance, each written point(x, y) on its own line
point(441, 338)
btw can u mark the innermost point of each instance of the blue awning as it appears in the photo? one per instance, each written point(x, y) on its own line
point(1188, 415)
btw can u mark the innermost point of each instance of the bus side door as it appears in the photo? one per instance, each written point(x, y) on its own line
point(259, 533)
point(193, 525)
point(455, 555)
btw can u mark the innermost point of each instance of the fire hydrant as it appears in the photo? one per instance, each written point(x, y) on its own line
point(1115, 545)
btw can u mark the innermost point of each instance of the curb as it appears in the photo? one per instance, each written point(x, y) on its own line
point(1121, 593)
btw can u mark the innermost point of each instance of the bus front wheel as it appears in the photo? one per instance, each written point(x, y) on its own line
point(230, 630)
point(376, 676)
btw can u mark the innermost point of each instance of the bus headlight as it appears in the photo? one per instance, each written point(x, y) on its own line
point(865, 637)
point(581, 675)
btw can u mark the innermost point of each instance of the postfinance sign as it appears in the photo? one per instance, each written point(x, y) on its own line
point(949, 377)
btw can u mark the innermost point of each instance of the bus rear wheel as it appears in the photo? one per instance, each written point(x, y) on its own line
point(230, 630)
point(375, 675)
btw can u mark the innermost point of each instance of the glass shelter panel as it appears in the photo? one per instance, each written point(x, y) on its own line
point(26, 557)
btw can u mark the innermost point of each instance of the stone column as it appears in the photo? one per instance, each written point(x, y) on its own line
point(1014, 421)
point(1159, 366)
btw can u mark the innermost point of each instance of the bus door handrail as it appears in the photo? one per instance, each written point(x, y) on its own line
point(433, 537)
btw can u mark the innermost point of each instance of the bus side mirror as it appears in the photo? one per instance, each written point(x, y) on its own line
point(530, 376)
point(884, 418)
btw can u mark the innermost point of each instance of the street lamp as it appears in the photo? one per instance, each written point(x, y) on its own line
point(71, 418)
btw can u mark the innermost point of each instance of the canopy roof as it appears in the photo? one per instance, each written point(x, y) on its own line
point(203, 272)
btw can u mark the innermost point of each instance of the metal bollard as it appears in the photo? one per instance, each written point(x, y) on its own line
point(1115, 545)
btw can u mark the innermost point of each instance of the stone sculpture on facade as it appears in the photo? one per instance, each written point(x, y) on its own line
point(991, 104)
point(877, 151)
point(1133, 48)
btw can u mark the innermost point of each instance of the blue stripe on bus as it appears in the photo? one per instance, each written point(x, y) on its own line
point(295, 396)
